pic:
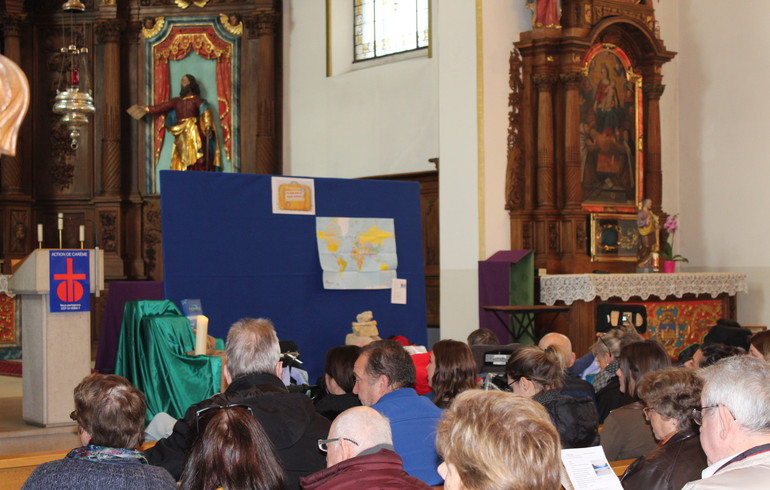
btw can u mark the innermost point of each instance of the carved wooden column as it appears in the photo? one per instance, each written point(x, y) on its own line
point(108, 34)
point(653, 175)
point(266, 22)
point(108, 213)
point(572, 175)
point(11, 176)
point(545, 141)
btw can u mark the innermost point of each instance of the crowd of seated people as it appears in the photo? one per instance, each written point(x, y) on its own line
point(370, 428)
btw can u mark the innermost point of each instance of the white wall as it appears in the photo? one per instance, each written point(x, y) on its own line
point(378, 120)
point(724, 127)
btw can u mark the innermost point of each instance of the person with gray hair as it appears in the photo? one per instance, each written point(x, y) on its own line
point(735, 424)
point(253, 373)
point(359, 454)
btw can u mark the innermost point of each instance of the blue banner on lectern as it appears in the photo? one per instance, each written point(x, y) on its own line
point(70, 281)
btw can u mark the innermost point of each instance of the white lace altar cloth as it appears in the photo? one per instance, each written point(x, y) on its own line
point(4, 285)
point(586, 287)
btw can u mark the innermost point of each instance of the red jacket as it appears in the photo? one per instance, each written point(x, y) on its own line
point(379, 470)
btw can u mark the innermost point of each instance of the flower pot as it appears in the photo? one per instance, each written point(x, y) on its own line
point(669, 266)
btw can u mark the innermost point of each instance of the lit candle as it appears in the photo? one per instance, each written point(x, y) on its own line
point(39, 232)
point(60, 221)
point(82, 233)
point(201, 335)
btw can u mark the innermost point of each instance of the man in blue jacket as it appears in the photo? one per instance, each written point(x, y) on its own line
point(385, 378)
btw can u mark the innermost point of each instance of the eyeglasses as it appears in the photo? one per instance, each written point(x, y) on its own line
point(697, 413)
point(210, 410)
point(323, 444)
point(509, 386)
point(647, 411)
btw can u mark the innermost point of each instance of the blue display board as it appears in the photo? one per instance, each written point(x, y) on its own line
point(223, 244)
point(70, 282)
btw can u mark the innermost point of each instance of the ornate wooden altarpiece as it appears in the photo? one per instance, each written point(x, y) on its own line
point(584, 135)
point(108, 184)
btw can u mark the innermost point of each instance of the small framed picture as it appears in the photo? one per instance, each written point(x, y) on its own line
point(613, 237)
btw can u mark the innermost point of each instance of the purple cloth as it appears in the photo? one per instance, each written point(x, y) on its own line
point(119, 292)
point(494, 289)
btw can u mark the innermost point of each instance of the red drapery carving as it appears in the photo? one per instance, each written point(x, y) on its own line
point(205, 42)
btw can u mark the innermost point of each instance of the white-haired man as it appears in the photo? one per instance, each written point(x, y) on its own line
point(360, 455)
point(735, 424)
point(253, 373)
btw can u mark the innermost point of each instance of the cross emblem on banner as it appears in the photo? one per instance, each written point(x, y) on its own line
point(69, 289)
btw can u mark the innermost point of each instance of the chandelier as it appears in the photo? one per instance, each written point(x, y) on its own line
point(73, 94)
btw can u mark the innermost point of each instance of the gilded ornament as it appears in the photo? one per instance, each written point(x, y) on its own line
point(227, 22)
point(183, 4)
point(153, 31)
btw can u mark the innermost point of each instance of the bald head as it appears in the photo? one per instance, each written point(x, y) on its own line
point(358, 428)
point(561, 344)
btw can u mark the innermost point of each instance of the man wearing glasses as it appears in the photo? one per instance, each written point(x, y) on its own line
point(735, 424)
point(359, 453)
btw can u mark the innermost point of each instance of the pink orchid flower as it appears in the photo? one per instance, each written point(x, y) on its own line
point(671, 224)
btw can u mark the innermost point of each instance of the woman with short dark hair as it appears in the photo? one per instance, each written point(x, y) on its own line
point(231, 450)
point(110, 416)
point(669, 397)
point(339, 381)
point(626, 433)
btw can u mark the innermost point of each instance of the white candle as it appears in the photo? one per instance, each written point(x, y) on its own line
point(201, 335)
point(39, 232)
point(82, 233)
point(60, 221)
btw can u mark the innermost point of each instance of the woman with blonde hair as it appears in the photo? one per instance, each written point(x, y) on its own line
point(536, 373)
point(495, 440)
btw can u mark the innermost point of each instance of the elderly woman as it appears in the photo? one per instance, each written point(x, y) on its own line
point(514, 444)
point(536, 373)
point(110, 417)
point(451, 371)
point(669, 397)
point(606, 349)
point(626, 433)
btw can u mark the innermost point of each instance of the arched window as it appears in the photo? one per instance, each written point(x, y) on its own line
point(385, 27)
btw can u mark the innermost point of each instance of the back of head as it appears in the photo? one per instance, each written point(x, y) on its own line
point(252, 347)
point(640, 358)
point(761, 342)
point(561, 345)
point(729, 332)
point(542, 367)
point(673, 393)
point(712, 352)
point(339, 365)
point(231, 451)
point(742, 384)
point(499, 440)
point(364, 425)
point(388, 357)
point(483, 336)
point(455, 369)
point(110, 410)
point(614, 340)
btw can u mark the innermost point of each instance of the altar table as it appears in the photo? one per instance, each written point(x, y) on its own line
point(703, 296)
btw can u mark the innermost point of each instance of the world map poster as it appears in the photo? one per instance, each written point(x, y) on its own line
point(357, 253)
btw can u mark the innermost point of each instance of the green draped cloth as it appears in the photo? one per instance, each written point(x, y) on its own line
point(152, 355)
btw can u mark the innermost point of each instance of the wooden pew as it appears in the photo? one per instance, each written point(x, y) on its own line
point(620, 466)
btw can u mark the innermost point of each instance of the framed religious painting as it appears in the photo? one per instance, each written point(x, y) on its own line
point(614, 237)
point(192, 88)
point(611, 131)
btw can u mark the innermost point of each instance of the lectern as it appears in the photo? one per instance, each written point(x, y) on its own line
point(56, 347)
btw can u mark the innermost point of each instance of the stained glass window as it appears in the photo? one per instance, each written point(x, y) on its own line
point(384, 27)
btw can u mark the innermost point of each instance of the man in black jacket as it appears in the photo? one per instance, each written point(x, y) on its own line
point(253, 372)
